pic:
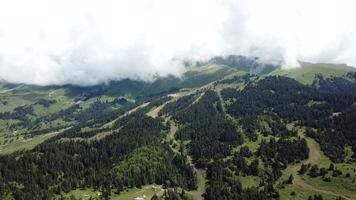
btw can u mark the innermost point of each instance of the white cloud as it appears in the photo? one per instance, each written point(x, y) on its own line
point(291, 30)
point(90, 41)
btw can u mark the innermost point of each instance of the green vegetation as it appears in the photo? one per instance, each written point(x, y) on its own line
point(227, 130)
point(307, 71)
point(146, 191)
point(304, 186)
point(25, 144)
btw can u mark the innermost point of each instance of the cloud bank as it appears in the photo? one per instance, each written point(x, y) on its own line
point(86, 42)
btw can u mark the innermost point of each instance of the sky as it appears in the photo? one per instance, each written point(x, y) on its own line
point(87, 42)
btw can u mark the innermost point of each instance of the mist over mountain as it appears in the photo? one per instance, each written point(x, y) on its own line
point(92, 42)
point(177, 100)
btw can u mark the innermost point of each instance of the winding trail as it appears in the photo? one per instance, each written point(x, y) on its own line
point(201, 173)
point(314, 158)
point(9, 90)
point(198, 194)
point(111, 123)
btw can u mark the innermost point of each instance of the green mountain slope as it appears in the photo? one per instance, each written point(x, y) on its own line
point(218, 132)
point(28, 110)
point(307, 71)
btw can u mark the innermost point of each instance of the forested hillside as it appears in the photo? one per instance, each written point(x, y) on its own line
point(230, 130)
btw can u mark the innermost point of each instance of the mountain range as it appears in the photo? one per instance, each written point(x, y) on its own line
point(230, 128)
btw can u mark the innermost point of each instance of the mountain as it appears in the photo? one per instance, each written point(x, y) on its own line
point(307, 71)
point(229, 128)
point(253, 65)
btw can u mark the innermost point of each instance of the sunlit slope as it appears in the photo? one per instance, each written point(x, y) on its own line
point(307, 71)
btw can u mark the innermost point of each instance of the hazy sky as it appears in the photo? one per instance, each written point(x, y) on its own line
point(90, 41)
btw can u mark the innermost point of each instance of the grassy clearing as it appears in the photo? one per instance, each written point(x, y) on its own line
point(81, 194)
point(56, 123)
point(304, 186)
point(197, 194)
point(300, 194)
point(249, 181)
point(147, 191)
point(12, 138)
point(11, 102)
point(129, 194)
point(26, 144)
point(253, 145)
point(338, 185)
point(154, 112)
point(342, 184)
point(61, 104)
point(219, 87)
point(307, 71)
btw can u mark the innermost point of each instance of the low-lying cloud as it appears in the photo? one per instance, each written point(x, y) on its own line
point(86, 42)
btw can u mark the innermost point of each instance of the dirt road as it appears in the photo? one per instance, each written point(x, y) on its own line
point(314, 158)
